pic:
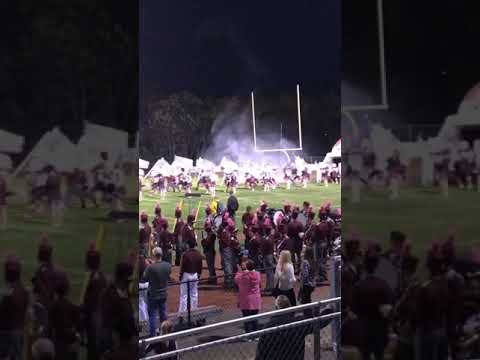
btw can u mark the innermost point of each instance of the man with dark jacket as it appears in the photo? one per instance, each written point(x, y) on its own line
point(232, 205)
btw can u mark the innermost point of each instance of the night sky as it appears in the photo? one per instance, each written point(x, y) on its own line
point(226, 48)
point(218, 48)
point(432, 59)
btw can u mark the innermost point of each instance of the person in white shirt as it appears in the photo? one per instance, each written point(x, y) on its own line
point(284, 278)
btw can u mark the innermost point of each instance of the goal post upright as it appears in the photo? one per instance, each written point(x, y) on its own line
point(254, 126)
point(299, 118)
point(284, 150)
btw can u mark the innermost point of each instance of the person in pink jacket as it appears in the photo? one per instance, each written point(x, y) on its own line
point(249, 297)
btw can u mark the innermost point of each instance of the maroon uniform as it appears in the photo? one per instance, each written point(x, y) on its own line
point(294, 228)
point(368, 295)
point(13, 308)
point(64, 322)
point(177, 231)
point(44, 279)
point(97, 282)
point(247, 221)
point(3, 191)
point(165, 240)
point(255, 243)
point(117, 311)
point(188, 235)
point(192, 262)
point(159, 223)
point(145, 233)
point(267, 245)
point(208, 242)
point(53, 186)
point(177, 234)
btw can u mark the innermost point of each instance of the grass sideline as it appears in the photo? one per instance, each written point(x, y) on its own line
point(70, 241)
point(315, 194)
point(421, 213)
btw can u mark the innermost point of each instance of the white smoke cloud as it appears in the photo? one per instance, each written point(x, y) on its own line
point(232, 137)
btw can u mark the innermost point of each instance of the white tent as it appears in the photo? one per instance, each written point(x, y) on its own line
point(143, 164)
point(161, 166)
point(97, 139)
point(182, 162)
point(54, 148)
point(205, 164)
point(228, 165)
point(11, 143)
point(5, 162)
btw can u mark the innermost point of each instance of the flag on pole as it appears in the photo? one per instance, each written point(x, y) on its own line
point(198, 209)
point(101, 234)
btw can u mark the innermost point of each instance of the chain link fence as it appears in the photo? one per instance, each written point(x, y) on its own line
point(301, 332)
point(216, 303)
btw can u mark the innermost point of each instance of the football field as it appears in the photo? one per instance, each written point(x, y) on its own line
point(70, 240)
point(317, 195)
point(421, 213)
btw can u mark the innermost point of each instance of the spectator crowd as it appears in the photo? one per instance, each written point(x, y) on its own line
point(394, 303)
point(39, 320)
point(290, 246)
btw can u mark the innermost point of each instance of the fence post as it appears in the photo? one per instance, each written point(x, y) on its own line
point(335, 292)
point(189, 306)
point(316, 335)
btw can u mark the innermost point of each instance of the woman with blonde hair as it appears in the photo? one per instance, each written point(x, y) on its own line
point(284, 277)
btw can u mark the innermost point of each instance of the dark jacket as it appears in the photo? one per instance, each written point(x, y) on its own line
point(287, 344)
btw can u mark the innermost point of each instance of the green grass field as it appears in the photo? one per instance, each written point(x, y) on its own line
point(423, 214)
point(315, 194)
point(70, 240)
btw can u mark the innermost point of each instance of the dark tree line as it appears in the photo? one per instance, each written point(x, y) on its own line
point(183, 123)
point(67, 62)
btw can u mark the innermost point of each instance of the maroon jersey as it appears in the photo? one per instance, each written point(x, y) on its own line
point(192, 262)
point(255, 243)
point(165, 240)
point(208, 242)
point(368, 295)
point(145, 233)
point(228, 239)
point(294, 229)
point(247, 220)
point(267, 245)
point(432, 305)
point(177, 231)
point(159, 223)
point(13, 308)
point(53, 186)
point(45, 278)
point(117, 311)
point(97, 282)
point(188, 235)
point(64, 322)
point(283, 242)
point(320, 232)
point(3, 191)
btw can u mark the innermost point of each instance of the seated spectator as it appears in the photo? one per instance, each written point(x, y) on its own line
point(166, 346)
point(287, 344)
point(43, 349)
